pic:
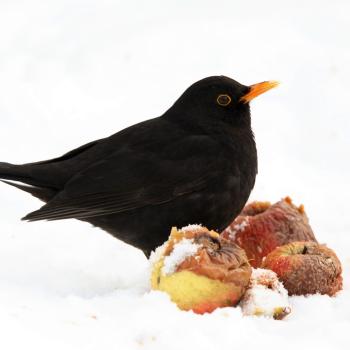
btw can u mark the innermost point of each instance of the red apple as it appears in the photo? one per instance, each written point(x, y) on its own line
point(261, 227)
point(306, 268)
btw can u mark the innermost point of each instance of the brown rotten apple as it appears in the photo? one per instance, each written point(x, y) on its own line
point(306, 268)
point(261, 227)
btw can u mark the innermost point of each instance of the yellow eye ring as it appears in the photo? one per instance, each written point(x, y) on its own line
point(224, 100)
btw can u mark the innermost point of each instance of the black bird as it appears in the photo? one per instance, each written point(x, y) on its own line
point(195, 164)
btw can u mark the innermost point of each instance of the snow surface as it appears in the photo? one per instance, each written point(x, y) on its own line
point(72, 71)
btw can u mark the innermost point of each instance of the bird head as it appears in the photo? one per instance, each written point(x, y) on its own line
point(219, 98)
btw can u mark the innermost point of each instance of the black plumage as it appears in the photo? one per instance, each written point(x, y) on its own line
point(195, 164)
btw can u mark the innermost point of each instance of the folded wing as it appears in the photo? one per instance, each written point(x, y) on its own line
point(129, 180)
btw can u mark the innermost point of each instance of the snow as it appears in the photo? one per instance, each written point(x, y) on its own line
point(72, 71)
point(157, 254)
point(265, 294)
point(181, 250)
point(191, 227)
point(237, 228)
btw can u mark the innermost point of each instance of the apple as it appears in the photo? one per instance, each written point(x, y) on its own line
point(200, 270)
point(266, 296)
point(261, 227)
point(306, 268)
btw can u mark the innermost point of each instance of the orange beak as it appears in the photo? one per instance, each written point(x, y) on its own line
point(258, 89)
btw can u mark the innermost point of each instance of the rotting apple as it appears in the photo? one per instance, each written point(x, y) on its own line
point(261, 227)
point(306, 268)
point(200, 270)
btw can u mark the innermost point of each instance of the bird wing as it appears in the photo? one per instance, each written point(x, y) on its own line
point(128, 180)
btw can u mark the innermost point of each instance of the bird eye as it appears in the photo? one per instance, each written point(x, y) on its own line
point(223, 100)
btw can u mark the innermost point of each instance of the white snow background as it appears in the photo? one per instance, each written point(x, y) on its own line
point(73, 71)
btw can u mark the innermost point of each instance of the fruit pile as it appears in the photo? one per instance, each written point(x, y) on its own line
point(267, 253)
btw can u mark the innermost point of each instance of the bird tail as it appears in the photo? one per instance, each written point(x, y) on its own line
point(21, 173)
point(13, 172)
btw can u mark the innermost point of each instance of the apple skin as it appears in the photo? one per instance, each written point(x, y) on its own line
point(261, 227)
point(198, 293)
point(306, 268)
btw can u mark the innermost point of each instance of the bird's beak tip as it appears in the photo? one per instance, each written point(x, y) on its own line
point(258, 89)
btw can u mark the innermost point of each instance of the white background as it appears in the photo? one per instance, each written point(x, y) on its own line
point(74, 71)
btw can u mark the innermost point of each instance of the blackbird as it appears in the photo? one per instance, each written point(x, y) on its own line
point(195, 164)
